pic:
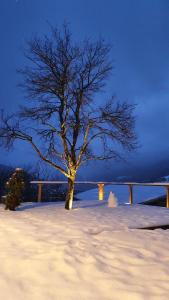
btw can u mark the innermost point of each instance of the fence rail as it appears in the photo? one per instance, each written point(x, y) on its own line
point(100, 185)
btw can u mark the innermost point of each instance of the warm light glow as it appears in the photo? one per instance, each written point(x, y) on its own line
point(100, 191)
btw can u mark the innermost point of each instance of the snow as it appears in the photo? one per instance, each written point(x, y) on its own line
point(166, 178)
point(90, 253)
point(112, 200)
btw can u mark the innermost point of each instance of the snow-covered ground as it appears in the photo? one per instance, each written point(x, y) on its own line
point(90, 253)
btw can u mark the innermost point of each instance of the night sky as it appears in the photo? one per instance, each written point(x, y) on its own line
point(139, 32)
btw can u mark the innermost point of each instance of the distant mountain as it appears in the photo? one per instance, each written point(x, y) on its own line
point(5, 167)
point(165, 178)
point(142, 171)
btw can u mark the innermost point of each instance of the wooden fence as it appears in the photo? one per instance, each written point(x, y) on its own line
point(100, 186)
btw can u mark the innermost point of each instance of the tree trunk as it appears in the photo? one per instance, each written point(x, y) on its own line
point(69, 195)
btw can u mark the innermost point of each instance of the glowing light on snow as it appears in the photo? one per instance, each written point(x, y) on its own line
point(100, 191)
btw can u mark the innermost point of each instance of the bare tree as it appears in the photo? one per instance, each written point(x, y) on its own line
point(63, 119)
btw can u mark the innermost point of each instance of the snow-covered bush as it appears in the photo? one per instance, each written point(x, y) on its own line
point(15, 187)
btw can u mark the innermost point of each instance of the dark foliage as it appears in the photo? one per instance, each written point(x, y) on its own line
point(15, 187)
point(5, 173)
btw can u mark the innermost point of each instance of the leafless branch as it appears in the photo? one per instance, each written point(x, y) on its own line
point(61, 83)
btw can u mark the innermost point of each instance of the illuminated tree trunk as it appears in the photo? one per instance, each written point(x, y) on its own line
point(70, 192)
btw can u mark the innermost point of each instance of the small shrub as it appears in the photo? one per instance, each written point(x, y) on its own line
point(15, 187)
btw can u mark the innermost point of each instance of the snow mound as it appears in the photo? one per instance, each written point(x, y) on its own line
point(112, 200)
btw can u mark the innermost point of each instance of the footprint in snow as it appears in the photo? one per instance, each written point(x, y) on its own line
point(96, 231)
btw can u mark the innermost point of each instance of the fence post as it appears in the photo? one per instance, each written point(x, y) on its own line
point(130, 194)
point(39, 192)
point(167, 196)
point(100, 191)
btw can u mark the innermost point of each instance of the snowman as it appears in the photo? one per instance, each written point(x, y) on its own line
point(112, 200)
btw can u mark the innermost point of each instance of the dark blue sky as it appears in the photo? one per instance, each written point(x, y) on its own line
point(139, 32)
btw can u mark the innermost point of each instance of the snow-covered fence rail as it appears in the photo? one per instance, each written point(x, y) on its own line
point(100, 186)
